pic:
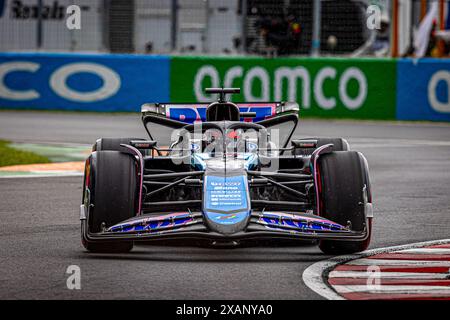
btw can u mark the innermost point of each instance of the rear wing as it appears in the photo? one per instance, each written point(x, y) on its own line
point(196, 112)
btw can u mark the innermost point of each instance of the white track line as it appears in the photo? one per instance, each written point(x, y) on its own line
point(388, 275)
point(392, 289)
point(389, 262)
point(56, 175)
point(313, 278)
point(314, 275)
point(426, 251)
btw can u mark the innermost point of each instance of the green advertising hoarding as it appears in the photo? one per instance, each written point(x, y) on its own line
point(323, 87)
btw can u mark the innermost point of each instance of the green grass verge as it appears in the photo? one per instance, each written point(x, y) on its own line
point(10, 156)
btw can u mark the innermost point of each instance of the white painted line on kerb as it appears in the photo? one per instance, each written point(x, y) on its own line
point(389, 262)
point(315, 275)
point(393, 289)
point(426, 251)
point(391, 275)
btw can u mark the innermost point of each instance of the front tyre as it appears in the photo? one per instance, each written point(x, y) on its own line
point(345, 188)
point(111, 181)
point(339, 144)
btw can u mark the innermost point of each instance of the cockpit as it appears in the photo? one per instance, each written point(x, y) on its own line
point(223, 139)
point(222, 127)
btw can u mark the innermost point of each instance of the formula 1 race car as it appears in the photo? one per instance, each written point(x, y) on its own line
point(225, 173)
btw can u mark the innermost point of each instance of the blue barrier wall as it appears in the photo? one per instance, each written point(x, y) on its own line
point(105, 82)
point(423, 89)
point(82, 82)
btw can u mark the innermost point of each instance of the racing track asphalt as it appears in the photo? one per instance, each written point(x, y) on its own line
point(39, 228)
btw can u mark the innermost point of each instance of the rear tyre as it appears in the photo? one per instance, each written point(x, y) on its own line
point(339, 144)
point(343, 179)
point(113, 196)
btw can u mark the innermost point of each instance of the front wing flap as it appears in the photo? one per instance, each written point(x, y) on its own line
point(190, 225)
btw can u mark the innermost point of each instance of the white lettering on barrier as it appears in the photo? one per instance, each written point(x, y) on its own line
point(353, 73)
point(233, 73)
point(205, 71)
point(263, 76)
point(8, 93)
point(58, 81)
point(322, 101)
point(439, 106)
point(292, 75)
point(111, 82)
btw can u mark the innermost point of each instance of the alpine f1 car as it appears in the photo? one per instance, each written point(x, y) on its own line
point(225, 173)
